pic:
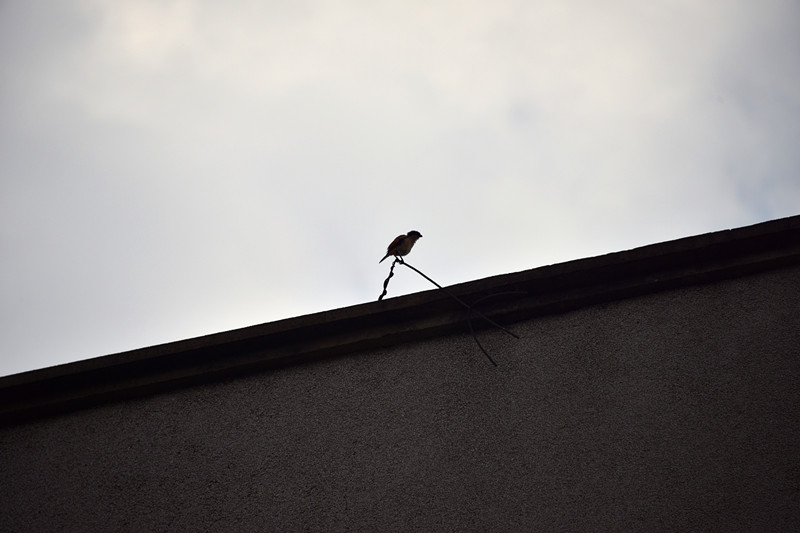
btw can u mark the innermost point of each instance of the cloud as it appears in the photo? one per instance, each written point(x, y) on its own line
point(173, 168)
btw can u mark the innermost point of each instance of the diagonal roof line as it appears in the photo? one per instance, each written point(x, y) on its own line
point(505, 298)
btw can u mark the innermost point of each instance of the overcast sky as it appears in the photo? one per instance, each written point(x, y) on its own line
point(175, 168)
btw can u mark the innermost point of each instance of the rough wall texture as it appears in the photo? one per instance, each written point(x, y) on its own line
point(673, 411)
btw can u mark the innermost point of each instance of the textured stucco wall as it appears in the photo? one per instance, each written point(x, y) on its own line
point(674, 411)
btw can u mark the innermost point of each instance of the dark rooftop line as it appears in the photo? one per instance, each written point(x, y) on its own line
point(539, 291)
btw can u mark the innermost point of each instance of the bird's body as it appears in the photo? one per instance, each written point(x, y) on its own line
point(402, 244)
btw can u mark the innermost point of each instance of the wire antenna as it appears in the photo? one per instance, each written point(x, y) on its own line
point(469, 308)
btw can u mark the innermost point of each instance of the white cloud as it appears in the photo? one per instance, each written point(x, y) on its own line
point(172, 168)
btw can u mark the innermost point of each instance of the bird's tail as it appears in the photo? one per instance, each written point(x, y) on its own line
point(384, 257)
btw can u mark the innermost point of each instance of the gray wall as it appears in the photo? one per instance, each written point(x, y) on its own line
point(673, 411)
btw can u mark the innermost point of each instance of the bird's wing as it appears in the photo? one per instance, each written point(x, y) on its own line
point(395, 243)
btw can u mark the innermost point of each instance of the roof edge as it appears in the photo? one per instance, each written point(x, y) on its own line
point(506, 298)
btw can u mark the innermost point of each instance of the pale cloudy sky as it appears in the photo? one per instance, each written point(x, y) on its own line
point(175, 168)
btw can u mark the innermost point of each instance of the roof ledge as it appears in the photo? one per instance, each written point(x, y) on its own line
point(505, 298)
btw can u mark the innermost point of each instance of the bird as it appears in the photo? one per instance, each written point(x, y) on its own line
point(402, 245)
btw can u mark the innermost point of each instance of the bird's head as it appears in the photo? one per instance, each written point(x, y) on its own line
point(414, 234)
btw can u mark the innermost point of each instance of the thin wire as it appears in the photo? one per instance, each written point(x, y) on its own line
point(386, 283)
point(459, 300)
point(469, 308)
point(475, 338)
point(472, 330)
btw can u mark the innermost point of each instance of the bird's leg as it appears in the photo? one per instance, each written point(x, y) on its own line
point(400, 259)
